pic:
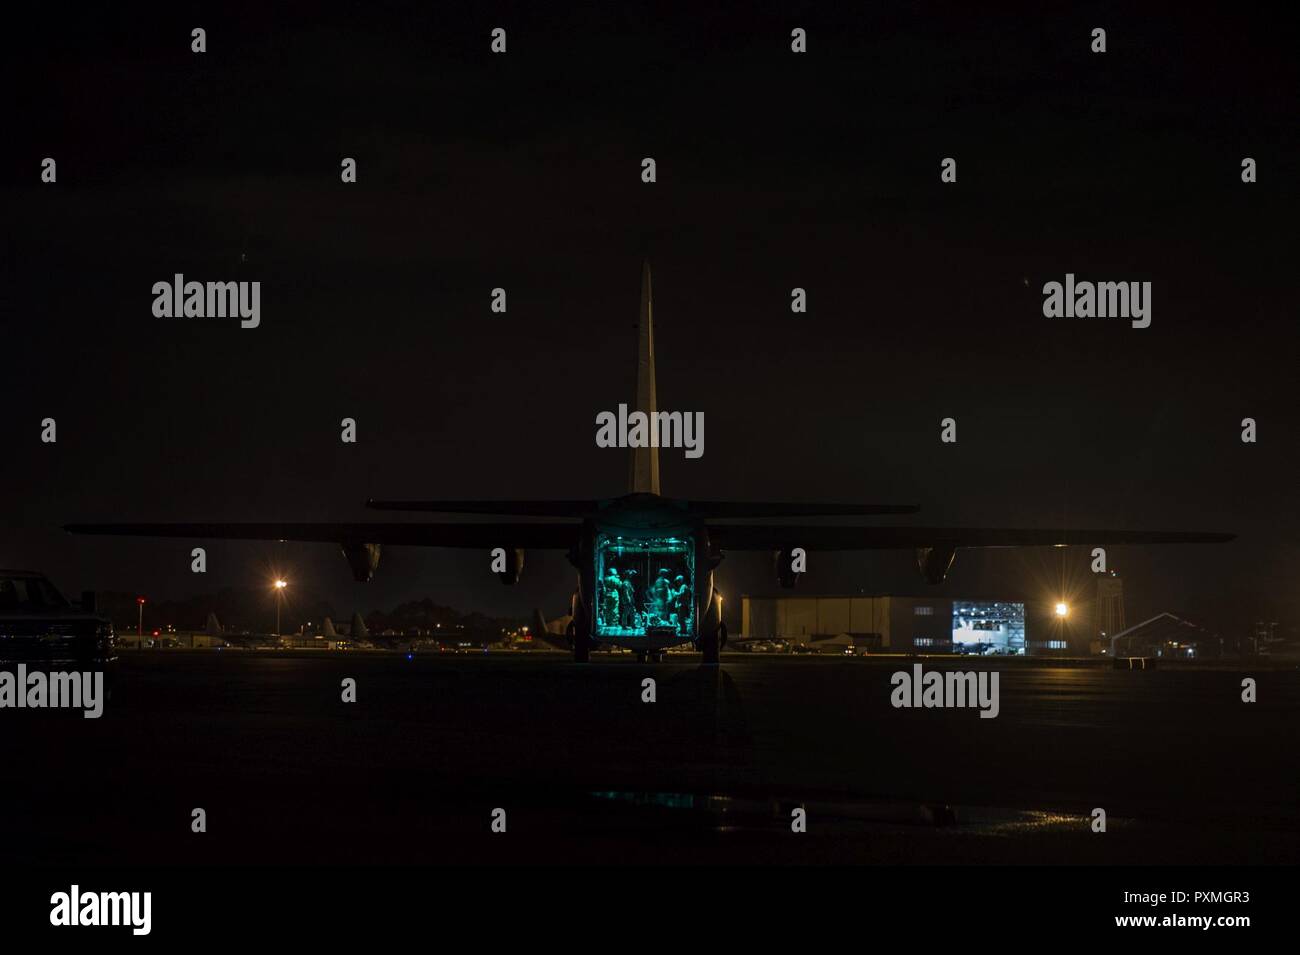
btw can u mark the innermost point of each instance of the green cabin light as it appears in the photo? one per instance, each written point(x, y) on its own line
point(645, 589)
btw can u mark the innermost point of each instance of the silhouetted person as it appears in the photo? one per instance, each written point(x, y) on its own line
point(661, 594)
point(627, 601)
point(609, 599)
point(682, 602)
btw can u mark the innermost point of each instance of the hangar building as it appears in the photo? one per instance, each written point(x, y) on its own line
point(894, 623)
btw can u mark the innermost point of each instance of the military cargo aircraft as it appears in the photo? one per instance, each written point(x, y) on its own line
point(645, 562)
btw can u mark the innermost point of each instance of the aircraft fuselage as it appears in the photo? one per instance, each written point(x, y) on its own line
point(645, 576)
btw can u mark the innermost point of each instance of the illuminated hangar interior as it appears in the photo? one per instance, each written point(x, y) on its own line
point(988, 626)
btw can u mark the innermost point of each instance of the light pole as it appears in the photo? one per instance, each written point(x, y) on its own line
point(279, 598)
point(1062, 610)
point(139, 629)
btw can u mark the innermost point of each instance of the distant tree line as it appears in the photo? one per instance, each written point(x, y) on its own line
point(253, 610)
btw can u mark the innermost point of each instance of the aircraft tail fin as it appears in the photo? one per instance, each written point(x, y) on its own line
point(643, 466)
point(551, 633)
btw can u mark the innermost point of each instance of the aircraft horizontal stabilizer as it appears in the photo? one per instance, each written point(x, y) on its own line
point(515, 508)
point(586, 508)
point(737, 509)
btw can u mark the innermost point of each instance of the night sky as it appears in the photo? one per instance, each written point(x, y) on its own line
point(775, 170)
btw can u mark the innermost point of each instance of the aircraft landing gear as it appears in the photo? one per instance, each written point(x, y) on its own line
point(581, 642)
point(710, 644)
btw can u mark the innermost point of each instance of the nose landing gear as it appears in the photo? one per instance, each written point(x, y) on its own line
point(711, 643)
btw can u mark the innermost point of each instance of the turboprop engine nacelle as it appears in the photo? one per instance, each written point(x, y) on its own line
point(363, 559)
point(514, 566)
point(934, 562)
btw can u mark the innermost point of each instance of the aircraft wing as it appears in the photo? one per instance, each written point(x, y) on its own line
point(534, 535)
point(823, 537)
point(591, 508)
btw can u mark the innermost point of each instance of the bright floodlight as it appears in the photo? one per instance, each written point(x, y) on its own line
point(281, 584)
point(1062, 610)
